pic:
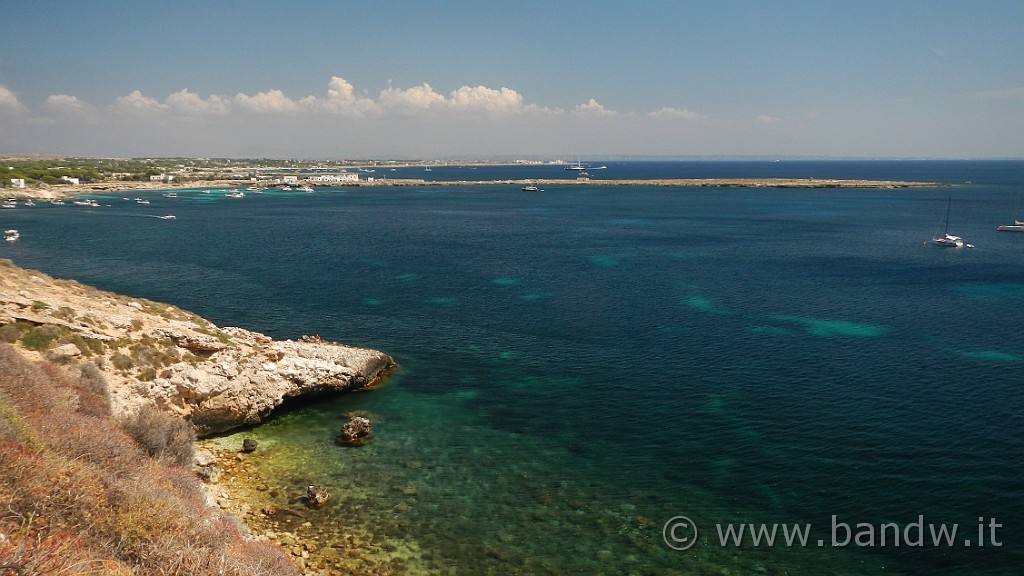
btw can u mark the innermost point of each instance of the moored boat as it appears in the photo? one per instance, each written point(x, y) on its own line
point(1017, 226)
point(11, 235)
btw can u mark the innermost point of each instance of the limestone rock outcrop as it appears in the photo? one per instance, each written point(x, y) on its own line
point(152, 353)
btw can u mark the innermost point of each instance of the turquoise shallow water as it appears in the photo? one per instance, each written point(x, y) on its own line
point(582, 365)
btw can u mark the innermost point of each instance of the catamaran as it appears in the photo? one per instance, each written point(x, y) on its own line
point(948, 240)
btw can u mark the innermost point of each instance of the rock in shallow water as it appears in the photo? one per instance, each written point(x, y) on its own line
point(317, 495)
point(356, 431)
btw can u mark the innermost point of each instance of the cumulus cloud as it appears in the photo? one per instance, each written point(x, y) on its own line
point(139, 104)
point(70, 107)
point(341, 97)
point(186, 102)
point(9, 101)
point(593, 108)
point(484, 98)
point(417, 98)
point(269, 101)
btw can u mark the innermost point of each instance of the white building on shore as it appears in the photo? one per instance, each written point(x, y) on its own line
point(334, 178)
point(17, 182)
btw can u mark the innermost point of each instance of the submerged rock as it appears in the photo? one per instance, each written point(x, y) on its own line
point(356, 431)
point(317, 495)
point(249, 445)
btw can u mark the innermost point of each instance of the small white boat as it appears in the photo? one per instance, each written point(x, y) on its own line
point(1017, 226)
point(9, 204)
point(238, 194)
point(88, 202)
point(29, 203)
point(11, 235)
point(57, 202)
point(531, 188)
point(168, 217)
point(141, 201)
point(305, 189)
point(286, 188)
point(170, 195)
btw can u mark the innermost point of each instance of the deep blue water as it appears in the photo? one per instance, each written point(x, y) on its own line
point(582, 364)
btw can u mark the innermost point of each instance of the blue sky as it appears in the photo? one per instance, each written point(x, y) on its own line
point(401, 79)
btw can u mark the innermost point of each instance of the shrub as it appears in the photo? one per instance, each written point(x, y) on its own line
point(41, 337)
point(10, 333)
point(94, 392)
point(121, 361)
point(163, 436)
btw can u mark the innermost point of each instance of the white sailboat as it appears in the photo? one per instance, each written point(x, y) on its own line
point(948, 240)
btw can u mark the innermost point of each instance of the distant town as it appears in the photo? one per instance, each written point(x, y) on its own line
point(36, 172)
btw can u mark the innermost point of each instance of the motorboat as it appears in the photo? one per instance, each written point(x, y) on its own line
point(11, 235)
point(1017, 226)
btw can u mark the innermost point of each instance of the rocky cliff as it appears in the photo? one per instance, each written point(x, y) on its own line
point(152, 353)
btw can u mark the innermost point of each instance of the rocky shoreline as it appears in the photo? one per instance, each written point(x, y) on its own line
point(156, 354)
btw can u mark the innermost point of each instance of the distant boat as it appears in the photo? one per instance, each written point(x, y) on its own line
point(1017, 226)
point(11, 235)
point(89, 202)
point(305, 189)
point(531, 188)
point(9, 203)
point(948, 240)
point(170, 195)
point(236, 194)
point(167, 217)
point(578, 166)
point(29, 203)
point(141, 201)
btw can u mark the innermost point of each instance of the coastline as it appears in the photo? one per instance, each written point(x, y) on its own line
point(217, 392)
point(67, 191)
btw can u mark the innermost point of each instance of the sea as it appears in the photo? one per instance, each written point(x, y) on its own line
point(622, 379)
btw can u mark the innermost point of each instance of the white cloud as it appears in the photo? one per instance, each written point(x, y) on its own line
point(593, 108)
point(766, 119)
point(484, 98)
point(9, 102)
point(269, 101)
point(70, 107)
point(139, 104)
point(342, 98)
point(418, 97)
point(185, 102)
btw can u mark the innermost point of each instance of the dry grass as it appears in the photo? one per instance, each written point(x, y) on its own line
point(80, 495)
